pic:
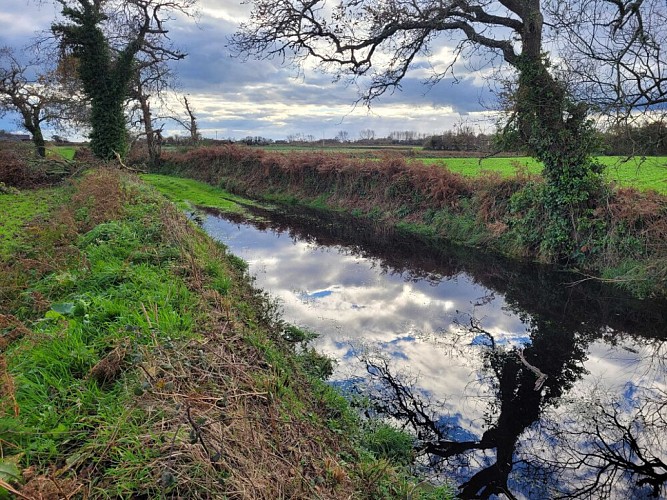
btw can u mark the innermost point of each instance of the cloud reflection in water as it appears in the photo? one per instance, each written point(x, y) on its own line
point(417, 319)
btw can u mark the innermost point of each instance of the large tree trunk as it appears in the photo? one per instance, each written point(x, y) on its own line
point(38, 141)
point(37, 136)
point(108, 136)
point(31, 121)
point(557, 132)
point(194, 130)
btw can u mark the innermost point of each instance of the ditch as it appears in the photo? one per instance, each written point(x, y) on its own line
point(514, 378)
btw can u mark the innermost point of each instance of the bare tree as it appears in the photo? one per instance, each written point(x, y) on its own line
point(153, 78)
point(612, 52)
point(380, 40)
point(189, 123)
point(38, 100)
point(343, 136)
point(367, 134)
point(141, 116)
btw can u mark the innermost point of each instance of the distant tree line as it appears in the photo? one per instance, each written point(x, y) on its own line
point(460, 139)
point(647, 139)
point(256, 140)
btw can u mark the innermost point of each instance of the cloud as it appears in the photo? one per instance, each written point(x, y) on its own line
point(21, 20)
point(237, 97)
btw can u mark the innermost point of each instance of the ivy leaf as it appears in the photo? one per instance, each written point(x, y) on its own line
point(65, 308)
point(9, 472)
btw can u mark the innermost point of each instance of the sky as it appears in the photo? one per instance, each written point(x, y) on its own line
point(235, 98)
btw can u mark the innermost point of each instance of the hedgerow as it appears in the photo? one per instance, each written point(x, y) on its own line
point(621, 235)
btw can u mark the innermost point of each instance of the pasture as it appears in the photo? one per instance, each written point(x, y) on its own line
point(66, 152)
point(640, 173)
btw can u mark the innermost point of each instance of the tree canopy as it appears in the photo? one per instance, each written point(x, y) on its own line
point(611, 48)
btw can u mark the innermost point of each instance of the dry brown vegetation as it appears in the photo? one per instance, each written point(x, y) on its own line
point(20, 168)
point(388, 183)
point(628, 226)
point(223, 415)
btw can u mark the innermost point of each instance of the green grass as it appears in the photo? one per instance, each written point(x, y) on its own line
point(187, 192)
point(66, 152)
point(19, 209)
point(650, 173)
point(131, 287)
point(120, 298)
point(101, 305)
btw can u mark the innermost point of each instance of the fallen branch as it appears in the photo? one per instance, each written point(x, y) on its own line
point(541, 377)
point(125, 167)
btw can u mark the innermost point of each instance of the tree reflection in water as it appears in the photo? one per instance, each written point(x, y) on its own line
point(591, 448)
point(548, 431)
point(605, 448)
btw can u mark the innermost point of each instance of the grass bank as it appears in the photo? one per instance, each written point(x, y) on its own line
point(136, 361)
point(624, 243)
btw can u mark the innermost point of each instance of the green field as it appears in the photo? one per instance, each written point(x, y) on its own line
point(66, 152)
point(643, 173)
point(650, 173)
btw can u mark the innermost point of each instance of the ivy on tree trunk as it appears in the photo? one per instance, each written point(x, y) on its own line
point(105, 76)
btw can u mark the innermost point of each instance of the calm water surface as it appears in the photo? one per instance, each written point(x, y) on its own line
point(517, 382)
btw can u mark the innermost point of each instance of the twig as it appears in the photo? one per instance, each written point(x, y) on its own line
point(260, 395)
point(589, 277)
point(120, 161)
point(197, 430)
point(11, 489)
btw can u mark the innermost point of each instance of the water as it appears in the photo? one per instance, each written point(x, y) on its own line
point(517, 381)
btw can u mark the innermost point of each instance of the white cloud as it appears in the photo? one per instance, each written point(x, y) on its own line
point(236, 98)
